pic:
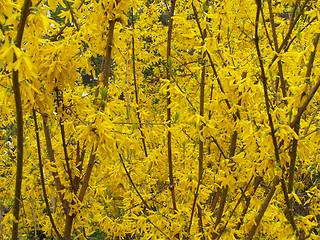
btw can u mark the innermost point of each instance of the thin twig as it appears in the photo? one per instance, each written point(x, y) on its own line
point(266, 29)
point(235, 207)
point(271, 125)
point(296, 127)
point(263, 208)
point(210, 59)
point(295, 36)
point(287, 37)
point(133, 184)
point(50, 151)
point(74, 20)
point(256, 184)
point(45, 196)
point(19, 122)
point(200, 143)
point(34, 217)
point(275, 39)
point(301, 109)
point(136, 93)
point(169, 73)
point(63, 138)
point(85, 182)
point(305, 133)
point(220, 149)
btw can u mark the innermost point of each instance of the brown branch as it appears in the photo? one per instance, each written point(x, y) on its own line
point(87, 175)
point(200, 144)
point(200, 222)
point(220, 149)
point(70, 218)
point(305, 104)
point(74, 20)
point(136, 89)
point(235, 116)
point(271, 125)
point(263, 208)
point(280, 74)
point(45, 196)
point(215, 199)
point(210, 58)
point(19, 120)
point(55, 37)
point(169, 72)
point(107, 60)
point(193, 206)
point(128, 89)
point(178, 86)
point(266, 29)
point(264, 81)
point(50, 151)
point(235, 207)
point(79, 164)
point(312, 57)
point(133, 184)
point(143, 123)
point(246, 34)
point(305, 133)
point(296, 126)
point(163, 233)
point(294, 11)
point(223, 200)
point(76, 115)
point(291, 27)
point(68, 226)
point(64, 144)
point(224, 193)
point(291, 41)
point(273, 26)
point(256, 184)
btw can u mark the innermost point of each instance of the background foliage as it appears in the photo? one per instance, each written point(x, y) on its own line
point(160, 119)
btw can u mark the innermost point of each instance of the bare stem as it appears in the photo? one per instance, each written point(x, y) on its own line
point(296, 126)
point(305, 104)
point(256, 183)
point(50, 151)
point(85, 182)
point(64, 144)
point(107, 60)
point(271, 125)
point(106, 63)
point(275, 40)
point(263, 208)
point(79, 164)
point(168, 69)
point(233, 146)
point(132, 183)
point(215, 73)
point(235, 207)
point(45, 196)
point(291, 27)
point(136, 89)
point(201, 143)
point(19, 119)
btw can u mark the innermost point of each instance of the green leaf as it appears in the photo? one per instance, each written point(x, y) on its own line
point(176, 117)
point(103, 92)
point(134, 126)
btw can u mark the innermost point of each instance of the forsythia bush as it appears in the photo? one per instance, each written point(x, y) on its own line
point(200, 119)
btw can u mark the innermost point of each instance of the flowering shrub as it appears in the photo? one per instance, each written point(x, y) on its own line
point(200, 120)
